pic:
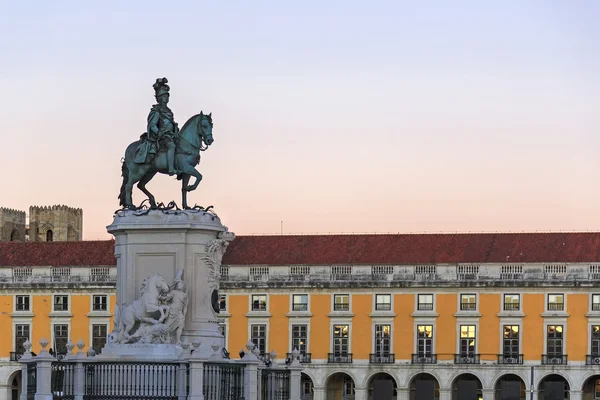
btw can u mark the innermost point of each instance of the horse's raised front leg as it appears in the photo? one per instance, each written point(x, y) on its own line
point(150, 308)
point(142, 186)
point(190, 170)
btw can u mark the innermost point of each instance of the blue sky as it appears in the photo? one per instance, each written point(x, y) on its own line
point(433, 116)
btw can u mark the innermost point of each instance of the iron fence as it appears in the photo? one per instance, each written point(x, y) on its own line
point(554, 359)
point(510, 358)
point(275, 384)
point(31, 380)
point(223, 381)
point(140, 381)
point(62, 380)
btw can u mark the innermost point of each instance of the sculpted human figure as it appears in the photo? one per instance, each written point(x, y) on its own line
point(162, 128)
point(178, 302)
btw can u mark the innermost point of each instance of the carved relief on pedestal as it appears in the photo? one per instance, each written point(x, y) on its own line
point(156, 317)
point(215, 249)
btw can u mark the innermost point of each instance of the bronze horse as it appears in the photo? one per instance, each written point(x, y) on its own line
point(194, 137)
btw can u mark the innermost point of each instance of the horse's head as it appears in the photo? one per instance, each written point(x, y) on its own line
point(161, 285)
point(205, 128)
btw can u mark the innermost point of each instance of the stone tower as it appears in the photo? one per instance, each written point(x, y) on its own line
point(55, 223)
point(12, 225)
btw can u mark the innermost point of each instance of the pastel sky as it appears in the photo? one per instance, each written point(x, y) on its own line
point(331, 116)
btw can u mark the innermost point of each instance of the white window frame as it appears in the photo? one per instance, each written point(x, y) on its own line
point(266, 310)
point(504, 294)
point(470, 322)
point(460, 295)
point(591, 322)
point(547, 298)
point(69, 303)
point(375, 310)
point(561, 321)
point(299, 321)
point(30, 304)
point(333, 310)
point(58, 322)
point(307, 303)
point(226, 310)
point(260, 321)
point(416, 310)
point(96, 321)
point(511, 322)
point(92, 303)
point(591, 305)
point(382, 321)
point(332, 331)
point(21, 321)
point(424, 321)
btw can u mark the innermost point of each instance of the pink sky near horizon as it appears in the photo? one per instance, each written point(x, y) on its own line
point(423, 120)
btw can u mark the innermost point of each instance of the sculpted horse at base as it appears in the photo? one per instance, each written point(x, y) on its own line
point(194, 137)
point(143, 309)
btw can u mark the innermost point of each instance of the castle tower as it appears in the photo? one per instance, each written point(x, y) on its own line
point(12, 225)
point(55, 223)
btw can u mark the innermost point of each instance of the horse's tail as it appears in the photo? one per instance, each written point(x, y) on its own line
point(125, 175)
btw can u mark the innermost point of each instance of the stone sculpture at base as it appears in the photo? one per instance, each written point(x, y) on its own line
point(174, 257)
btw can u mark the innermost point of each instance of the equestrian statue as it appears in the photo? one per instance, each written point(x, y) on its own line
point(165, 149)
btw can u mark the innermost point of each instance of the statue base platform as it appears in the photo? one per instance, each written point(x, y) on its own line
point(141, 352)
point(185, 245)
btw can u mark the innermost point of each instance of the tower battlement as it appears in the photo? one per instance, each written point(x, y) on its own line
point(55, 223)
point(12, 224)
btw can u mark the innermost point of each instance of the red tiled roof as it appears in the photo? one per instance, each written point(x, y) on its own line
point(57, 254)
point(342, 249)
point(414, 249)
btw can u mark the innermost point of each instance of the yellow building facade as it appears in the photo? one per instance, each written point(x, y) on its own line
point(374, 316)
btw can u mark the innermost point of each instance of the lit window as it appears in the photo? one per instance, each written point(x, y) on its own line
point(468, 302)
point(512, 302)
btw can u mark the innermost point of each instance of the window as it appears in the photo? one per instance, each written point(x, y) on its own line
point(100, 303)
point(341, 302)
point(49, 235)
point(348, 387)
point(510, 345)
point(299, 338)
point(554, 341)
point(99, 333)
point(467, 340)
point(383, 339)
point(595, 336)
point(22, 303)
point(61, 303)
point(21, 336)
point(597, 389)
point(425, 302)
point(468, 302)
point(512, 302)
point(383, 302)
point(300, 302)
point(61, 337)
point(424, 341)
point(222, 302)
point(259, 337)
point(223, 330)
point(341, 335)
point(259, 302)
point(596, 302)
point(556, 302)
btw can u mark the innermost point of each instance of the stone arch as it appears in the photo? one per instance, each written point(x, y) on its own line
point(556, 376)
point(431, 372)
point(13, 384)
point(14, 235)
point(330, 374)
point(512, 376)
point(340, 385)
point(414, 389)
point(469, 378)
point(368, 384)
point(307, 386)
point(386, 372)
point(500, 374)
point(588, 385)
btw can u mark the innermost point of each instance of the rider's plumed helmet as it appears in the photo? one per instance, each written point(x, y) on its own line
point(161, 87)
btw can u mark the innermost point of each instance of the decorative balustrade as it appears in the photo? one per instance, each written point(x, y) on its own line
point(510, 274)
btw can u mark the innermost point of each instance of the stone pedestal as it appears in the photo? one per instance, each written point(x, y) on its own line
point(165, 242)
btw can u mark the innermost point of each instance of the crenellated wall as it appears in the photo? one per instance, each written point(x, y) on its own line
point(12, 224)
point(65, 223)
